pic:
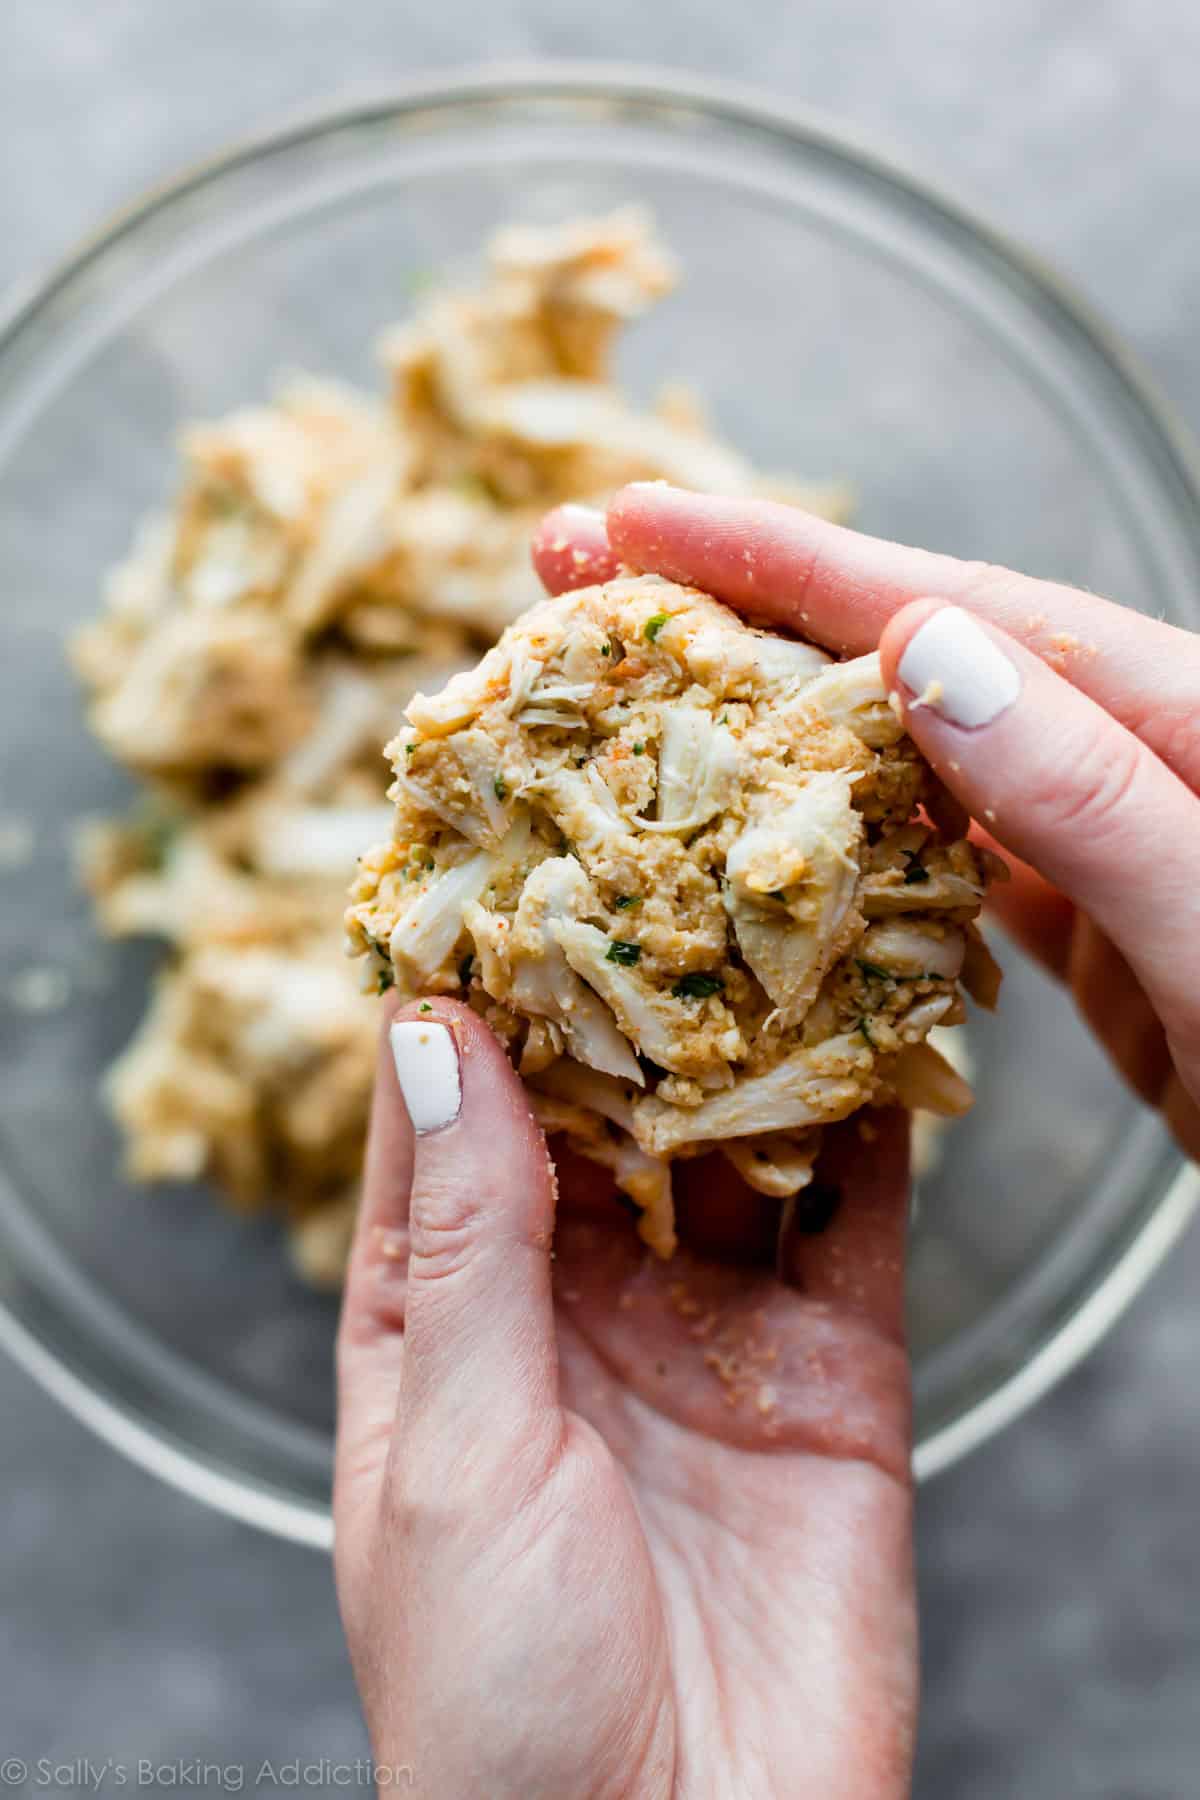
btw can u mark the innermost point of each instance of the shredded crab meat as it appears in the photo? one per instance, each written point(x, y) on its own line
point(852, 694)
point(791, 880)
point(545, 983)
point(697, 771)
point(431, 925)
point(926, 1080)
point(718, 934)
point(778, 1163)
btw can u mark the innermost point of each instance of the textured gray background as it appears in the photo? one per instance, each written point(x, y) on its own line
point(1059, 1568)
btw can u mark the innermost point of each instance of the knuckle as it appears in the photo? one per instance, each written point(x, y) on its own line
point(1178, 736)
point(453, 1217)
point(443, 1234)
point(1095, 796)
point(986, 585)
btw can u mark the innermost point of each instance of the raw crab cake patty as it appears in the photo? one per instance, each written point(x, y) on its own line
point(690, 872)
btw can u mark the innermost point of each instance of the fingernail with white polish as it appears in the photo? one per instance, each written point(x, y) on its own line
point(954, 667)
point(426, 1060)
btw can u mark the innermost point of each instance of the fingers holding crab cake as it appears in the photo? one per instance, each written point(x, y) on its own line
point(692, 875)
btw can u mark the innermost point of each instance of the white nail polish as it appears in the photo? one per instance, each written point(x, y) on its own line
point(953, 667)
point(426, 1060)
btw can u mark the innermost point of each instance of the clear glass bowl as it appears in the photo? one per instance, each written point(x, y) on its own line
point(839, 319)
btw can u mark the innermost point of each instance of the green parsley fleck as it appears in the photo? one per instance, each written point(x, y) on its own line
point(409, 749)
point(386, 979)
point(425, 1006)
point(639, 749)
point(621, 951)
point(697, 987)
point(724, 719)
point(500, 788)
point(915, 872)
point(873, 972)
point(623, 901)
point(155, 832)
point(606, 649)
point(652, 627)
point(777, 894)
point(864, 1029)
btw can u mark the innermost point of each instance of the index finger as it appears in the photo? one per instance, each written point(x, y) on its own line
point(840, 588)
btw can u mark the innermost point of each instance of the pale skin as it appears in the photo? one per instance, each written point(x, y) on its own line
point(609, 1527)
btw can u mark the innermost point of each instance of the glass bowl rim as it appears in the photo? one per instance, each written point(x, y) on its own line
point(1137, 1250)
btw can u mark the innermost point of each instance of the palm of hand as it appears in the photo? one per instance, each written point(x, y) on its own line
point(728, 1448)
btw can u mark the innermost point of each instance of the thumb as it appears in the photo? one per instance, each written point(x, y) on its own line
point(1057, 780)
point(480, 1357)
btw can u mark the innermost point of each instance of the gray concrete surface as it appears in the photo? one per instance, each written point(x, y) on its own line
point(1060, 1571)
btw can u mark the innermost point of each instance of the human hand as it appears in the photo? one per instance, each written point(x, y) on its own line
point(608, 1526)
point(1068, 726)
